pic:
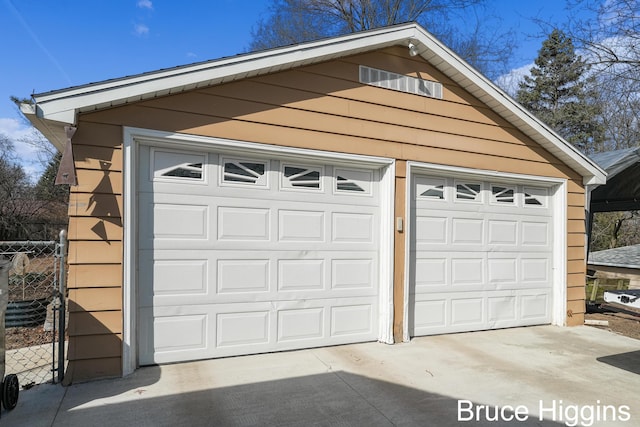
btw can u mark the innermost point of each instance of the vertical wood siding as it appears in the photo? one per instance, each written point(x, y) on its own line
point(323, 107)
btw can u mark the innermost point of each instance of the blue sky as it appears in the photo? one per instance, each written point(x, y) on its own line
point(49, 45)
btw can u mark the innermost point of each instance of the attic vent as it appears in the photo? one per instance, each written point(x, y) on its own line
point(400, 82)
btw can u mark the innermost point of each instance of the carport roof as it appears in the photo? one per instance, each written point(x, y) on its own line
point(622, 190)
point(51, 111)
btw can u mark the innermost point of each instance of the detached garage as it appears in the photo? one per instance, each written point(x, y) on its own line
point(339, 191)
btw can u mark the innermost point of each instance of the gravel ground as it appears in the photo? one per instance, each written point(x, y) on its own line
point(26, 337)
point(619, 323)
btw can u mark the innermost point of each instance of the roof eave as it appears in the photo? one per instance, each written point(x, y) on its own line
point(62, 107)
point(469, 78)
point(52, 129)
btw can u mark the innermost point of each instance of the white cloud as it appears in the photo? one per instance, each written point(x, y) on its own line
point(145, 4)
point(13, 129)
point(509, 82)
point(29, 156)
point(141, 30)
point(191, 55)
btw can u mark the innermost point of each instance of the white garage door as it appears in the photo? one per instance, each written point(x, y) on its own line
point(244, 254)
point(481, 255)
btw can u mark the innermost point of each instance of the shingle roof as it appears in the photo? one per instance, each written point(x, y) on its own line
point(625, 257)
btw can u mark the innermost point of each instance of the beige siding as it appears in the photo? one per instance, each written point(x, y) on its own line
point(95, 255)
point(323, 107)
point(399, 251)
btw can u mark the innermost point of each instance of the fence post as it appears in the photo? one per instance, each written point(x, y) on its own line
point(62, 292)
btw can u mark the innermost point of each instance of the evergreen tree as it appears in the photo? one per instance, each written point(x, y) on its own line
point(562, 94)
point(46, 188)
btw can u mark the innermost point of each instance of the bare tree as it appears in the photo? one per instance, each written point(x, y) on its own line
point(614, 229)
point(24, 213)
point(613, 38)
point(620, 111)
point(482, 40)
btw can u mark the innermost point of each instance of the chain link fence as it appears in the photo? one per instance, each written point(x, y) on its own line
point(31, 320)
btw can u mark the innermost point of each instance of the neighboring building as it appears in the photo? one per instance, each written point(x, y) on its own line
point(617, 263)
point(339, 191)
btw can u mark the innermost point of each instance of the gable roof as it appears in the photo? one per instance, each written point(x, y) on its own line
point(53, 110)
point(626, 257)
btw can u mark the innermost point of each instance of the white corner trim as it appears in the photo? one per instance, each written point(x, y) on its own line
point(559, 190)
point(130, 251)
point(408, 230)
point(387, 256)
point(559, 315)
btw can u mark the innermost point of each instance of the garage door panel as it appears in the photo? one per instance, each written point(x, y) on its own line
point(173, 277)
point(431, 272)
point(169, 335)
point(192, 226)
point(243, 223)
point(242, 329)
point(468, 311)
point(499, 232)
point(501, 309)
point(243, 276)
point(302, 274)
point(176, 277)
point(480, 255)
point(429, 315)
point(535, 270)
point(245, 328)
point(254, 254)
point(441, 313)
point(536, 234)
point(301, 324)
point(301, 225)
point(535, 307)
point(350, 227)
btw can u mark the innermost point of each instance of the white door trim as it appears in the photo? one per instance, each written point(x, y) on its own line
point(133, 136)
point(558, 187)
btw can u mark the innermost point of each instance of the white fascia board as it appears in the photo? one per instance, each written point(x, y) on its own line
point(477, 84)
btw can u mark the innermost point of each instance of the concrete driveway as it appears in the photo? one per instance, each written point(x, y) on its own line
point(569, 376)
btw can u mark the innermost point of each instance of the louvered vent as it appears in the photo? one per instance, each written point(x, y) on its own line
point(400, 82)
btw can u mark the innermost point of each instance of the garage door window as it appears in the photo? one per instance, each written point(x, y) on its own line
point(502, 195)
point(469, 192)
point(301, 177)
point(186, 170)
point(244, 172)
point(431, 188)
point(535, 197)
point(353, 181)
point(177, 166)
